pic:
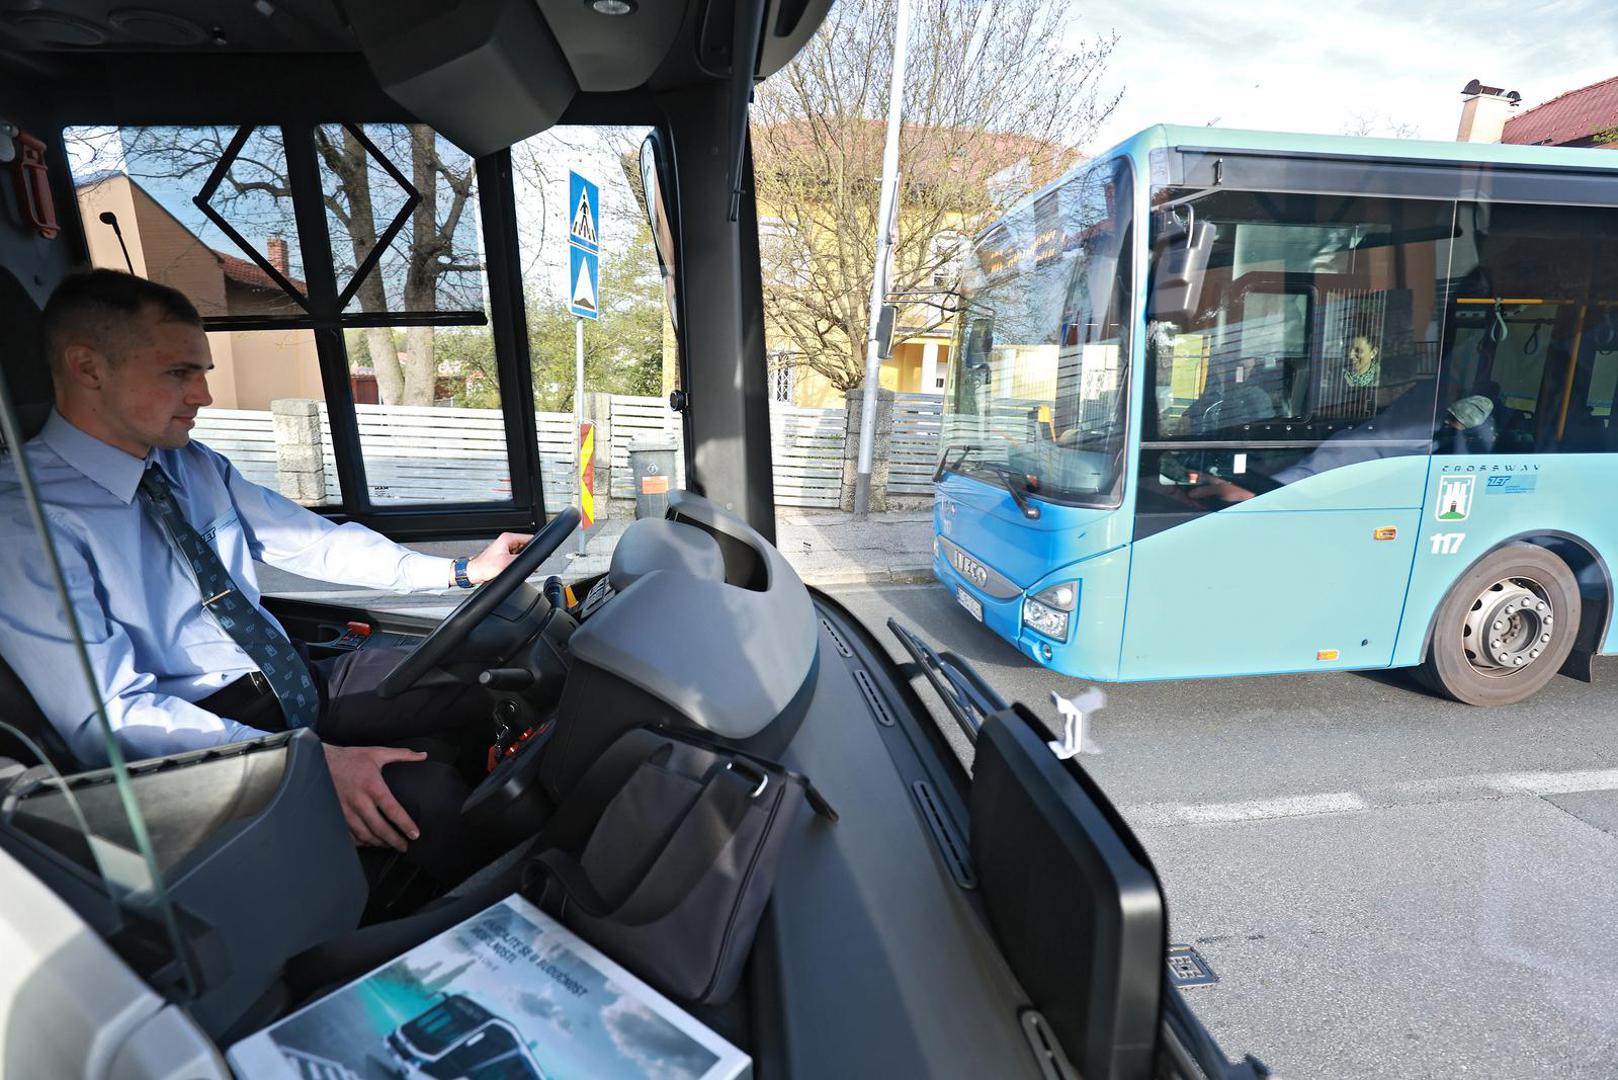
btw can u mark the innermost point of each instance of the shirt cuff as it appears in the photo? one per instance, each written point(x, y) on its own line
point(427, 572)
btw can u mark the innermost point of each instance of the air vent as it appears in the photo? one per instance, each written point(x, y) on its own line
point(873, 700)
point(837, 639)
point(948, 840)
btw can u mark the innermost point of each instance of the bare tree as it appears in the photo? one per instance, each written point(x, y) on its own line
point(1379, 125)
point(999, 98)
point(433, 266)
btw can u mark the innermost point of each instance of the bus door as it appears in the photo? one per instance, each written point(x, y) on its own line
point(1283, 453)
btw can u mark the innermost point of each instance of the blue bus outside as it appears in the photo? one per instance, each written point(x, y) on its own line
point(1239, 403)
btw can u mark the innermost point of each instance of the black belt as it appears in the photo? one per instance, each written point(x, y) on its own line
point(234, 698)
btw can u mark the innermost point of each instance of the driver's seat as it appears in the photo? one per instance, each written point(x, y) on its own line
point(28, 378)
point(19, 710)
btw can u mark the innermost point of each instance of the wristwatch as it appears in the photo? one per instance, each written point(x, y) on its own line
point(460, 573)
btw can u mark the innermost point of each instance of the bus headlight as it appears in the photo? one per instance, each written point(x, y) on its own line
point(1048, 611)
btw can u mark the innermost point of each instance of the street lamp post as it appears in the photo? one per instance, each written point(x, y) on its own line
point(887, 226)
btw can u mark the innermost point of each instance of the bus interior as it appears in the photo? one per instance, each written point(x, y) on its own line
point(998, 922)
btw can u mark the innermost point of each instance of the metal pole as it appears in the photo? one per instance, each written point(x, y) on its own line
point(578, 419)
point(887, 225)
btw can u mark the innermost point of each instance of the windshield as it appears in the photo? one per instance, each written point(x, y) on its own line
point(1041, 391)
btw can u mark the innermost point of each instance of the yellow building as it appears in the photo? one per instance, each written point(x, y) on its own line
point(251, 368)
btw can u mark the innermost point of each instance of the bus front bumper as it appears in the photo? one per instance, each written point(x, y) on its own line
point(1003, 615)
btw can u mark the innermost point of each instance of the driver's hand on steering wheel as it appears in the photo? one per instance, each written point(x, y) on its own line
point(496, 557)
point(374, 816)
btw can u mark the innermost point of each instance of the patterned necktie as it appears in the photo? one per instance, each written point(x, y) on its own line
point(266, 646)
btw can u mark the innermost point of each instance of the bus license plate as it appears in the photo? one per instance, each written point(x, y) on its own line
point(970, 603)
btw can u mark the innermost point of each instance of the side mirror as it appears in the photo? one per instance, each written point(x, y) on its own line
point(657, 216)
point(1180, 255)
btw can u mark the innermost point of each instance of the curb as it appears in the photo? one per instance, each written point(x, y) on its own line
point(900, 575)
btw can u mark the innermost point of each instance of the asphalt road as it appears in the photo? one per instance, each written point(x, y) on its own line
point(1387, 884)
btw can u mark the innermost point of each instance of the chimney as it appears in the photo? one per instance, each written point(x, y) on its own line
point(1484, 112)
point(276, 249)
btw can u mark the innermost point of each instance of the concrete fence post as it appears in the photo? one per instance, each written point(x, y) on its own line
point(300, 468)
point(881, 448)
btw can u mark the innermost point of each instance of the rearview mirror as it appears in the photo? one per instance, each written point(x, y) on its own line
point(1180, 251)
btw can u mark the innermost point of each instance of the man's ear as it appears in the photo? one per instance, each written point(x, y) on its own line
point(84, 366)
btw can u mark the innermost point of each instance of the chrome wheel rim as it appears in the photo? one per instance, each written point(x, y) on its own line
point(1508, 627)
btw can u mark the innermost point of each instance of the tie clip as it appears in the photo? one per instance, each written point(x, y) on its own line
point(216, 596)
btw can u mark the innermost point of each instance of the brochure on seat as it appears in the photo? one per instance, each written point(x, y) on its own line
point(509, 994)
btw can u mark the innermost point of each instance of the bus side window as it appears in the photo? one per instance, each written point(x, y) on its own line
point(1533, 329)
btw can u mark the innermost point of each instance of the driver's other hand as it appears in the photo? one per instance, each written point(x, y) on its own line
point(1223, 490)
point(496, 557)
point(374, 816)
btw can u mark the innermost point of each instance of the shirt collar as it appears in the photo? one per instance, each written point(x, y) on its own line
point(112, 468)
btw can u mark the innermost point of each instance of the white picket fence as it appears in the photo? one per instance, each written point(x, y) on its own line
point(913, 451)
point(431, 454)
point(806, 447)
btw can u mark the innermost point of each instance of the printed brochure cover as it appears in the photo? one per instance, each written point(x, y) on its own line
point(509, 994)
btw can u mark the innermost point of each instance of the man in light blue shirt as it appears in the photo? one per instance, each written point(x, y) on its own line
point(129, 363)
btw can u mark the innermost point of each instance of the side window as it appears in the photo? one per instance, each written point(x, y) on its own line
point(1532, 358)
point(401, 210)
point(629, 353)
point(1313, 344)
point(211, 211)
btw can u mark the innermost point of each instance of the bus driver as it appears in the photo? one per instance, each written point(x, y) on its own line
point(157, 536)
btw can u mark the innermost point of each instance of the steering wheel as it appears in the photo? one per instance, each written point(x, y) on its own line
point(449, 634)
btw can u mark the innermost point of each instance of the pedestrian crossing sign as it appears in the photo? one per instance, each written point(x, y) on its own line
point(584, 210)
point(583, 275)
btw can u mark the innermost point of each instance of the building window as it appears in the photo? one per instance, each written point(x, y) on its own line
point(780, 378)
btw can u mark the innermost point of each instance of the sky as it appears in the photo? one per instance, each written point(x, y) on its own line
point(1316, 66)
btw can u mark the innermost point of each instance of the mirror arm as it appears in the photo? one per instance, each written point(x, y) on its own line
point(745, 38)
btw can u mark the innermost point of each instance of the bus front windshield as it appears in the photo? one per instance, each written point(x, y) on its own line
point(1039, 399)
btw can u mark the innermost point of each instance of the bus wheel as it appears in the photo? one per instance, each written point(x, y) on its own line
point(1505, 628)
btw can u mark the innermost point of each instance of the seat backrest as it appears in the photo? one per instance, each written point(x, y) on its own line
point(22, 361)
point(27, 377)
point(19, 710)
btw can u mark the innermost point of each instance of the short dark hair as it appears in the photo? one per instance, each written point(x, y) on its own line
point(101, 305)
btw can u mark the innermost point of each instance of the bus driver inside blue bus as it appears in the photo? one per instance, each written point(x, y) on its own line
point(1402, 420)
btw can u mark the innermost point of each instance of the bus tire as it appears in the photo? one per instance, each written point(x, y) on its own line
point(1505, 628)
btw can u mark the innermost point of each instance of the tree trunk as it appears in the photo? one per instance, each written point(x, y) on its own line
point(420, 369)
point(353, 174)
point(422, 268)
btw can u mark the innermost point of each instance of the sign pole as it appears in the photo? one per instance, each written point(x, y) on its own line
point(584, 302)
point(578, 421)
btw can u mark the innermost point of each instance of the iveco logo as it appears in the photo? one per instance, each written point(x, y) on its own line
point(972, 569)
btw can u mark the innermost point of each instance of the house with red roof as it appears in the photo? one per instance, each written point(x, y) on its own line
point(251, 367)
point(1587, 116)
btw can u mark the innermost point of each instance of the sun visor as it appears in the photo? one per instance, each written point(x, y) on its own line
point(483, 73)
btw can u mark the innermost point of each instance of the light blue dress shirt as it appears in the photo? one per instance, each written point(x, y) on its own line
point(153, 648)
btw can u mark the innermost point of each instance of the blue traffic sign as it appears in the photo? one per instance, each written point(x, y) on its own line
point(583, 275)
point(584, 213)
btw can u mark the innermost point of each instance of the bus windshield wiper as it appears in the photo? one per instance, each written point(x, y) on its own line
point(1016, 483)
point(943, 459)
point(1013, 481)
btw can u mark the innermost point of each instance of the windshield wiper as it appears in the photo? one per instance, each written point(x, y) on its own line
point(969, 699)
point(943, 460)
point(1012, 480)
point(1016, 483)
